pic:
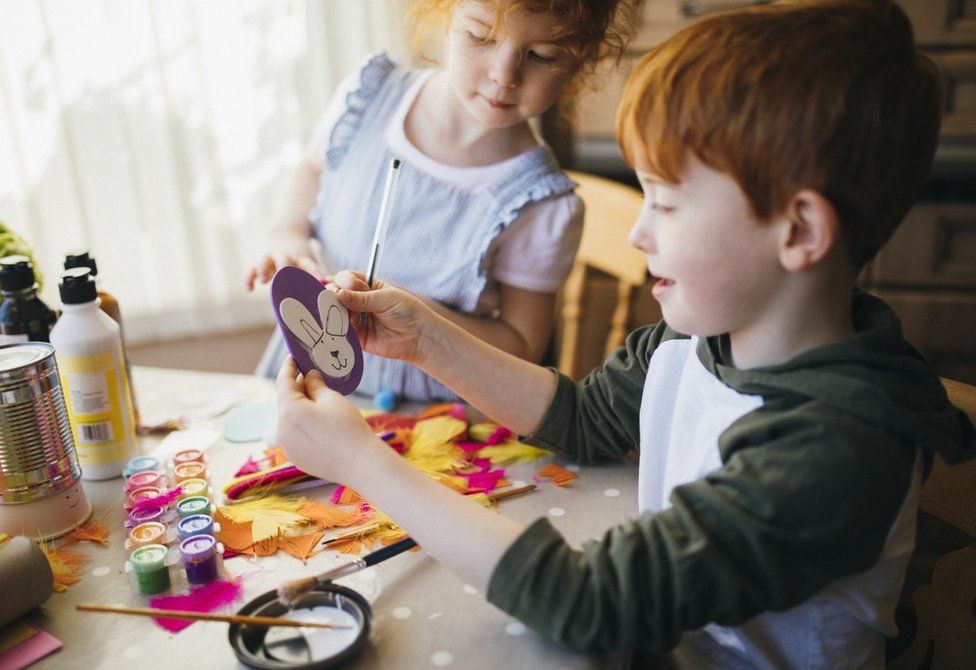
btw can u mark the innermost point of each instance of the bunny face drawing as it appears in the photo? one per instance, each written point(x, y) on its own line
point(324, 338)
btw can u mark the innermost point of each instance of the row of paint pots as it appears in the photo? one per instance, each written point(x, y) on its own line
point(150, 567)
point(154, 530)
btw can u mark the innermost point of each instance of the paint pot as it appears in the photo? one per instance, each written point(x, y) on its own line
point(140, 464)
point(149, 565)
point(193, 488)
point(150, 532)
point(198, 524)
point(194, 505)
point(145, 515)
point(190, 470)
point(199, 554)
point(188, 456)
point(143, 478)
point(40, 489)
point(275, 648)
point(142, 493)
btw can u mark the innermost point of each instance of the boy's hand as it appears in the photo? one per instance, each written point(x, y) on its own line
point(265, 269)
point(397, 317)
point(320, 430)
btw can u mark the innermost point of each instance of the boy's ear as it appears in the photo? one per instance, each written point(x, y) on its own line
point(811, 230)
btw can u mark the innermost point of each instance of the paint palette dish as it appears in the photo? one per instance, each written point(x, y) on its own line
point(316, 329)
point(271, 648)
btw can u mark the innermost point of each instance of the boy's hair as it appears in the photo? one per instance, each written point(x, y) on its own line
point(592, 30)
point(828, 95)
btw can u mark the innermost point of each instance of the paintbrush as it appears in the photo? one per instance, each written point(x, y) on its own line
point(201, 616)
point(290, 592)
point(382, 222)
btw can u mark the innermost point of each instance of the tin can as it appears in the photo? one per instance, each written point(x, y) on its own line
point(38, 462)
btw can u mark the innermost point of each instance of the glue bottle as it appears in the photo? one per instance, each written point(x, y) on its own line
point(88, 349)
point(23, 316)
point(109, 305)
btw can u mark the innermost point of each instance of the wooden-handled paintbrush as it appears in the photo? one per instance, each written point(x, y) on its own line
point(203, 616)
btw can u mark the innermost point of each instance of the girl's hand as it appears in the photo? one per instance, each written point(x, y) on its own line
point(320, 430)
point(265, 269)
point(396, 318)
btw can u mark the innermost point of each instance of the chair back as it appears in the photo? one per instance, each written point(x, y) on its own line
point(611, 209)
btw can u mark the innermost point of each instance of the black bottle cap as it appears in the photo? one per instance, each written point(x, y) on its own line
point(16, 273)
point(77, 286)
point(80, 259)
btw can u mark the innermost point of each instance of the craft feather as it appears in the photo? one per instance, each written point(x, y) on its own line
point(431, 448)
point(512, 451)
point(343, 495)
point(164, 499)
point(263, 481)
point(204, 599)
point(559, 475)
point(326, 517)
point(65, 566)
point(480, 432)
point(302, 547)
point(269, 516)
point(90, 531)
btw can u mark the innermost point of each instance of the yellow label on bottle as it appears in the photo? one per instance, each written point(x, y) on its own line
point(96, 393)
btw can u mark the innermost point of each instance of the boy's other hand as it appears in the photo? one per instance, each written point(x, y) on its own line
point(397, 317)
point(265, 269)
point(320, 430)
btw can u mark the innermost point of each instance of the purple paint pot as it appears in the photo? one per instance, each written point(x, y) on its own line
point(137, 517)
point(199, 555)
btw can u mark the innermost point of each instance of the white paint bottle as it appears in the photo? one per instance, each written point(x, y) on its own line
point(88, 348)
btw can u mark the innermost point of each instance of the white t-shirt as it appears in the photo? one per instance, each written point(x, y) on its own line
point(535, 252)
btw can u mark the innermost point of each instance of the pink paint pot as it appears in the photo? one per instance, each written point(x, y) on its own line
point(143, 479)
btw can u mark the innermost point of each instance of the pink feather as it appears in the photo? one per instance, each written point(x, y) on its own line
point(204, 599)
point(500, 435)
point(249, 468)
point(485, 480)
point(164, 500)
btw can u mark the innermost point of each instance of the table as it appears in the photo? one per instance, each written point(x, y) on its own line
point(424, 616)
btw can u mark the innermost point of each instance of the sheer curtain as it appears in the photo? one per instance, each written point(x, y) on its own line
point(155, 134)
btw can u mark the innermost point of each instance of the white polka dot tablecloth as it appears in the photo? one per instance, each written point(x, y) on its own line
point(424, 616)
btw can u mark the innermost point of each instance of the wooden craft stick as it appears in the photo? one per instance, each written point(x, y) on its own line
point(202, 616)
point(501, 495)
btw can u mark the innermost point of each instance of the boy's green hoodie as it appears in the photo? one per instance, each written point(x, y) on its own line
point(809, 486)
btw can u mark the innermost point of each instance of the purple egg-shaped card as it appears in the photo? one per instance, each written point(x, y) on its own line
point(315, 326)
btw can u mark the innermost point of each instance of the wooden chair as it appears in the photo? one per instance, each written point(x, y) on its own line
point(939, 597)
point(611, 209)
